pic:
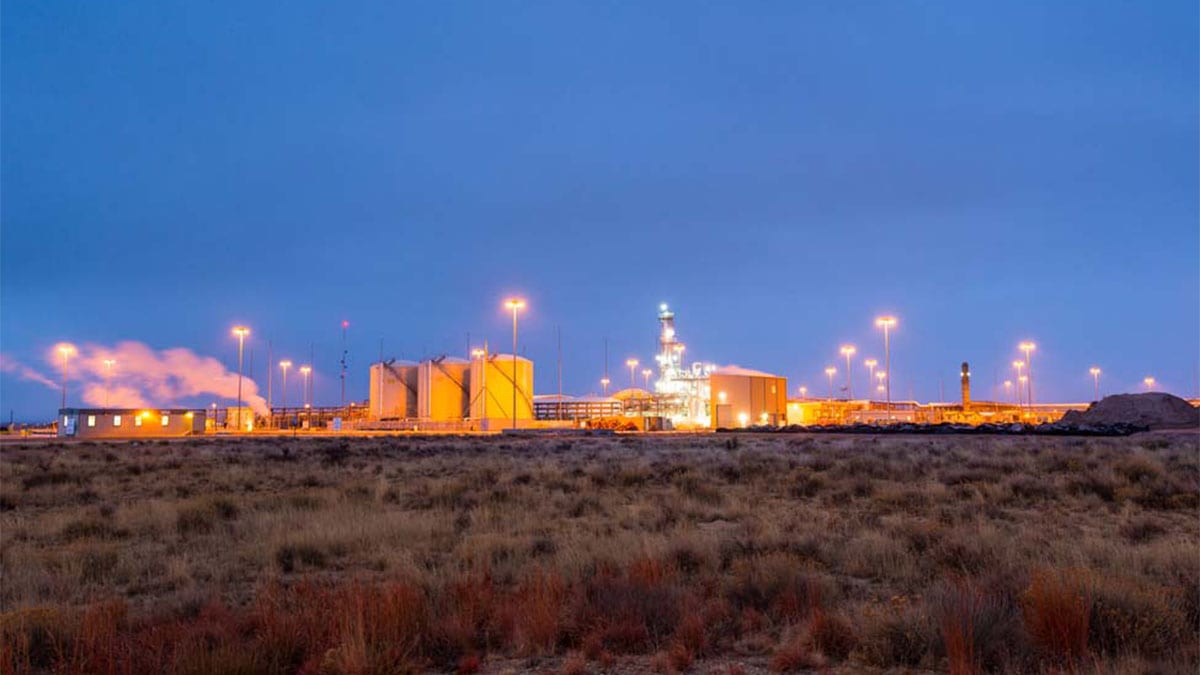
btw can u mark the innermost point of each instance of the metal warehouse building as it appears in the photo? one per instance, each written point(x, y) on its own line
point(742, 397)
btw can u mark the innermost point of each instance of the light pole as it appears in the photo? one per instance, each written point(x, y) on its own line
point(848, 351)
point(306, 370)
point(646, 373)
point(345, 325)
point(214, 409)
point(886, 323)
point(604, 383)
point(633, 364)
point(1149, 382)
point(1028, 348)
point(831, 371)
point(241, 332)
point(66, 351)
point(515, 304)
point(1022, 381)
point(108, 364)
point(870, 364)
point(1008, 390)
point(284, 365)
point(804, 393)
point(1018, 364)
point(1095, 382)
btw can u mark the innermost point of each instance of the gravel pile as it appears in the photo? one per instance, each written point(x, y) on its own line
point(1154, 410)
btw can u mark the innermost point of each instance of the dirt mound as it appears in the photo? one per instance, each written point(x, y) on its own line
point(1154, 410)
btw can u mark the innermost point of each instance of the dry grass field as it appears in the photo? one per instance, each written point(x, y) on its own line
point(712, 553)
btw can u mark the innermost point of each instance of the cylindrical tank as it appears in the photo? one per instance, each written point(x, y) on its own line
point(393, 390)
point(492, 380)
point(443, 388)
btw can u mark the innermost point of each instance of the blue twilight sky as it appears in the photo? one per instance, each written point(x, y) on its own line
point(780, 173)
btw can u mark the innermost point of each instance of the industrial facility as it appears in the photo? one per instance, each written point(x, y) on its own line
point(492, 392)
point(487, 392)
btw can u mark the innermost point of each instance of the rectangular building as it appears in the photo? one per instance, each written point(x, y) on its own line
point(743, 398)
point(129, 422)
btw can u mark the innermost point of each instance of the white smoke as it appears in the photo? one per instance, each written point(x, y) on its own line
point(141, 376)
point(10, 365)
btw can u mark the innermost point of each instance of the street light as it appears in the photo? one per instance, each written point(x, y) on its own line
point(831, 371)
point(108, 364)
point(1022, 380)
point(886, 323)
point(515, 304)
point(1028, 348)
point(870, 364)
point(66, 351)
point(848, 351)
point(632, 363)
point(284, 365)
point(1008, 389)
point(214, 409)
point(1019, 365)
point(241, 332)
point(804, 392)
point(1095, 381)
point(646, 373)
point(1149, 382)
point(604, 383)
point(305, 370)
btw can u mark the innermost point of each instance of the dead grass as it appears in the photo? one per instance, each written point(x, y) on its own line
point(453, 554)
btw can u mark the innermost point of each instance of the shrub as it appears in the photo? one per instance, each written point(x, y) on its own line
point(794, 654)
point(96, 564)
point(979, 629)
point(774, 584)
point(537, 612)
point(1142, 529)
point(90, 528)
point(1057, 609)
point(899, 636)
point(1128, 617)
point(291, 556)
point(831, 634)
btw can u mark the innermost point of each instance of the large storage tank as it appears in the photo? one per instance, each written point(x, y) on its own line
point(492, 382)
point(393, 390)
point(443, 389)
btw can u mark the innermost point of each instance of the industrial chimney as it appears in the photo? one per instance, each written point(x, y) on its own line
point(966, 386)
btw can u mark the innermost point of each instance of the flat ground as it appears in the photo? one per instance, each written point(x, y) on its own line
point(717, 553)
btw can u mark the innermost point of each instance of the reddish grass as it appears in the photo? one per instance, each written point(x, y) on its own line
point(1057, 608)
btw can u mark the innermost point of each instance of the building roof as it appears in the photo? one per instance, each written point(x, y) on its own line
point(127, 411)
point(740, 371)
point(507, 357)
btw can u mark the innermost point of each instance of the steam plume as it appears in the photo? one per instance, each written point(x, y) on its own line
point(141, 376)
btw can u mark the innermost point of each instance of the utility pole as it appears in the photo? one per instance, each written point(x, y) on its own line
point(558, 329)
point(270, 380)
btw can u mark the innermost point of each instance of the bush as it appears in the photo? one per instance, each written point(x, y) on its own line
point(1127, 617)
point(980, 630)
point(1057, 609)
point(831, 634)
point(291, 556)
point(899, 636)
